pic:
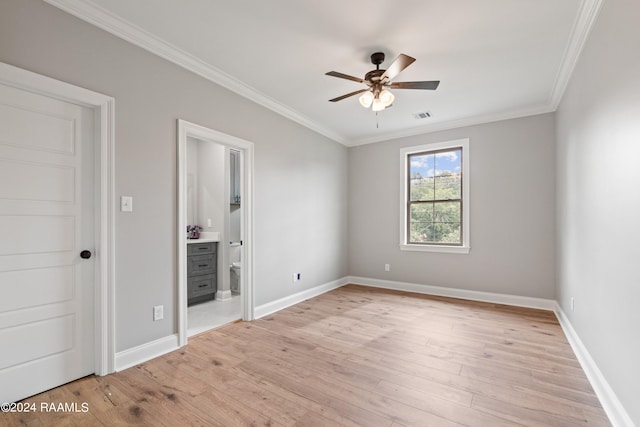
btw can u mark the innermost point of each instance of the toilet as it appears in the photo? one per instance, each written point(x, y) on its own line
point(235, 266)
point(235, 277)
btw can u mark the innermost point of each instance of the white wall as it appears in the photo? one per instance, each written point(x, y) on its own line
point(300, 198)
point(192, 181)
point(598, 201)
point(512, 211)
point(211, 200)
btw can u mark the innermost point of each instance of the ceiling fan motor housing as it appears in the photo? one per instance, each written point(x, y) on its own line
point(374, 76)
point(377, 58)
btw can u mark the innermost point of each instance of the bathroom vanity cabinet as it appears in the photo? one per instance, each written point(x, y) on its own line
point(202, 278)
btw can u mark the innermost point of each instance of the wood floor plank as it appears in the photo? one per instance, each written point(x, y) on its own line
point(308, 389)
point(354, 356)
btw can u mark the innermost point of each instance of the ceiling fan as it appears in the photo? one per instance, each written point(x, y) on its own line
point(377, 95)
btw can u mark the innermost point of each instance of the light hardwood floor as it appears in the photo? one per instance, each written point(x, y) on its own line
point(353, 356)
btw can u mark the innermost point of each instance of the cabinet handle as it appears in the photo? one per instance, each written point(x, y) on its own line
point(203, 265)
point(202, 286)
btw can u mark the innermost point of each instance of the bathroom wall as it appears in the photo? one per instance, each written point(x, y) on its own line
point(192, 181)
point(205, 184)
point(211, 180)
point(300, 198)
point(235, 213)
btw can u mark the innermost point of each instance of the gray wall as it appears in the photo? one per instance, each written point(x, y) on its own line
point(300, 196)
point(211, 183)
point(598, 202)
point(512, 211)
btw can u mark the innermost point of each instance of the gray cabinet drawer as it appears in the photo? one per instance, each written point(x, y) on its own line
point(201, 248)
point(201, 285)
point(201, 264)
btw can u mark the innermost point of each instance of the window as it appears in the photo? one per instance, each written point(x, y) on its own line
point(435, 197)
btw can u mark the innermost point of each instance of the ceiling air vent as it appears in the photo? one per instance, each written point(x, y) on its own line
point(424, 115)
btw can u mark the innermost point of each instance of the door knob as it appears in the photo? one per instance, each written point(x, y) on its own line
point(85, 254)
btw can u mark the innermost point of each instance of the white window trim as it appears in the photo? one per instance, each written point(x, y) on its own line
point(466, 230)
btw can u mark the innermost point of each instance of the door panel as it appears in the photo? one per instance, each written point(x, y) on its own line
point(32, 234)
point(46, 220)
point(25, 287)
point(47, 337)
point(26, 127)
point(55, 183)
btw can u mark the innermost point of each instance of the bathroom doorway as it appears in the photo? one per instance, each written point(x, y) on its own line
point(215, 280)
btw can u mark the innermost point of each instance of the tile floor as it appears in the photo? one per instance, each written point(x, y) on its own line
point(211, 314)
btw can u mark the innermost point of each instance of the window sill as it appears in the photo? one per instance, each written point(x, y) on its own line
point(436, 248)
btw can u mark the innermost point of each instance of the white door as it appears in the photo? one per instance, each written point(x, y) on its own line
point(46, 220)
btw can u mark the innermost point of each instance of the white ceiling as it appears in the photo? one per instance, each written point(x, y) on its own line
point(495, 58)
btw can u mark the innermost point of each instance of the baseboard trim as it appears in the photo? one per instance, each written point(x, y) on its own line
point(515, 300)
point(144, 352)
point(282, 303)
point(608, 399)
point(610, 402)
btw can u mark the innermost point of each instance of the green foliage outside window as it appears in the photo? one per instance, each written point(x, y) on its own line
point(435, 197)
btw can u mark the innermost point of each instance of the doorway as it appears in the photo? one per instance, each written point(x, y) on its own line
point(216, 166)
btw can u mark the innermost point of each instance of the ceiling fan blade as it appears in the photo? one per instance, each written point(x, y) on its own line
point(430, 85)
point(344, 76)
point(398, 64)
point(340, 98)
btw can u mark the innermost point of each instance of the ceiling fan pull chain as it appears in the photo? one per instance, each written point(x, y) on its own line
point(377, 120)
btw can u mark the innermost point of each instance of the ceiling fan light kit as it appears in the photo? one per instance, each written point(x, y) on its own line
point(377, 96)
point(366, 99)
point(386, 97)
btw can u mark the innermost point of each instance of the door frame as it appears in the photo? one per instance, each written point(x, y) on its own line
point(185, 130)
point(104, 141)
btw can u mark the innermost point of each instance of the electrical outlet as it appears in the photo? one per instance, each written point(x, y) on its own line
point(126, 204)
point(573, 303)
point(158, 312)
point(387, 267)
point(209, 222)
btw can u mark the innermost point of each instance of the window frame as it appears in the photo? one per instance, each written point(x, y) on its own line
point(464, 247)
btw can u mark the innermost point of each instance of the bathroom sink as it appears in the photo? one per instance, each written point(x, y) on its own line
point(206, 236)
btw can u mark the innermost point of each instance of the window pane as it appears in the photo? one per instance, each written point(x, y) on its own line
point(448, 162)
point(446, 222)
point(446, 232)
point(420, 220)
point(446, 212)
point(422, 212)
point(421, 189)
point(448, 180)
point(448, 186)
point(435, 222)
point(420, 232)
point(421, 167)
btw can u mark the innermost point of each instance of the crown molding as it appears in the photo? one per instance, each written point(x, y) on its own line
point(454, 124)
point(101, 18)
point(582, 26)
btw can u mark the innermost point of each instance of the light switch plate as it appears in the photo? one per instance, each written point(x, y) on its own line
point(158, 312)
point(126, 204)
